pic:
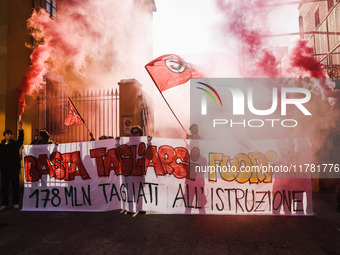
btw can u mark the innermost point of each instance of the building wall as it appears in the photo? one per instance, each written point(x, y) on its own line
point(307, 11)
point(135, 108)
point(14, 61)
point(323, 42)
point(3, 60)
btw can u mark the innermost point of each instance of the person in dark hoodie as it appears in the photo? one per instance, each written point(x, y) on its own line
point(10, 164)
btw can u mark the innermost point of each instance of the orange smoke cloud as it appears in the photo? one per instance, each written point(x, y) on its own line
point(87, 44)
point(33, 77)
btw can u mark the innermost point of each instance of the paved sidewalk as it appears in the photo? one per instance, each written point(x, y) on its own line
point(115, 233)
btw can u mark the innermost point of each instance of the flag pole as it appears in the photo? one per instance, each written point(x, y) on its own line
point(167, 102)
point(90, 133)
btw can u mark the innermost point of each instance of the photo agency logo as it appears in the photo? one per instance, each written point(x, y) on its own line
point(251, 103)
point(204, 98)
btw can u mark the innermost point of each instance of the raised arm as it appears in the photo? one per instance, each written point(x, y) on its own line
point(20, 140)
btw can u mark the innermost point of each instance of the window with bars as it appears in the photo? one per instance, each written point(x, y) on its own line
point(50, 6)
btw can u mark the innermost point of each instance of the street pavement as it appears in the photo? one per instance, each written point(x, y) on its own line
point(116, 233)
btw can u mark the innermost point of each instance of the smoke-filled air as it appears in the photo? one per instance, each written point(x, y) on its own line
point(96, 43)
point(91, 43)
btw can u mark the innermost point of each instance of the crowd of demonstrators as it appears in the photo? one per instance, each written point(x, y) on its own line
point(134, 131)
point(104, 137)
point(41, 137)
point(10, 165)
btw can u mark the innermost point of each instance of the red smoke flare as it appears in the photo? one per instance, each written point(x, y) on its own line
point(52, 41)
point(34, 75)
point(248, 24)
point(257, 60)
point(302, 58)
point(302, 63)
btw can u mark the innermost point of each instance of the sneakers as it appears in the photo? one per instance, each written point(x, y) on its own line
point(15, 207)
point(138, 212)
point(134, 214)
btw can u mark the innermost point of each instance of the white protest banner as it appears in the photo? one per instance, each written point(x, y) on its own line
point(156, 175)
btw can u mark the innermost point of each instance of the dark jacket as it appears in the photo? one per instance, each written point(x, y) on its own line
point(45, 138)
point(9, 153)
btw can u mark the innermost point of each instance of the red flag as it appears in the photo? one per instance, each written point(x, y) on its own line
point(73, 116)
point(170, 70)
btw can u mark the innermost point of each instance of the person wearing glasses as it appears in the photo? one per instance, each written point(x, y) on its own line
point(136, 131)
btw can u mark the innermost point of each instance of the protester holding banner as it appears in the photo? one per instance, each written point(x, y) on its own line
point(35, 140)
point(43, 137)
point(10, 164)
point(194, 132)
point(136, 131)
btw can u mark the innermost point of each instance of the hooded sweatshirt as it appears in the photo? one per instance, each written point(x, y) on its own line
point(9, 153)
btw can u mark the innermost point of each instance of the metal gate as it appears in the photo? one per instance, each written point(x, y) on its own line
point(98, 108)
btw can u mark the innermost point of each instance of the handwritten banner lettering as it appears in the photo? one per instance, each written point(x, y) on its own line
point(161, 175)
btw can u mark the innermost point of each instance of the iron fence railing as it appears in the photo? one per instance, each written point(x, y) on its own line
point(99, 109)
